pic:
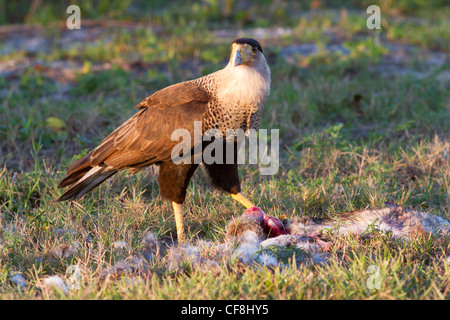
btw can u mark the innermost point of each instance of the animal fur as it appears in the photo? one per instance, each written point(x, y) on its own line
point(305, 232)
point(403, 223)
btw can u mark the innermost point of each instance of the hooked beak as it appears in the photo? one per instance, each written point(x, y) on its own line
point(237, 59)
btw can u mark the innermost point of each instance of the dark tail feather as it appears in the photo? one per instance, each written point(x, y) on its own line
point(73, 177)
point(76, 171)
point(87, 182)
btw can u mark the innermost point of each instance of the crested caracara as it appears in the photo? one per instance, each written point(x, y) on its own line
point(231, 98)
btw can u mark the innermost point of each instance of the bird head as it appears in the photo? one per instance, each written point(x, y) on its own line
point(246, 78)
point(245, 51)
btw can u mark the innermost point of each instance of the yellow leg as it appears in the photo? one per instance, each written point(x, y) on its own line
point(178, 210)
point(242, 200)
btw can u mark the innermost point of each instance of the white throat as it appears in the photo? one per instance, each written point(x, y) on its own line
point(245, 85)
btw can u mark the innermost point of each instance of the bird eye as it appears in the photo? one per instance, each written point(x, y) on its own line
point(254, 50)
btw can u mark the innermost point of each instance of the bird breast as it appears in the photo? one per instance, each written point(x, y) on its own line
point(241, 95)
point(243, 85)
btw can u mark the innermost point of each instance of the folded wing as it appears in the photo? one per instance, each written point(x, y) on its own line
point(142, 140)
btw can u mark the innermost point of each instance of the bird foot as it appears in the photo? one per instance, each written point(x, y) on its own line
point(239, 197)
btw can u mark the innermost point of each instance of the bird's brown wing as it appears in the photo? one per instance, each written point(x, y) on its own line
point(145, 138)
point(175, 95)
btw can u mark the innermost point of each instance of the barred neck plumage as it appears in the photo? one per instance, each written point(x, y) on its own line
point(238, 95)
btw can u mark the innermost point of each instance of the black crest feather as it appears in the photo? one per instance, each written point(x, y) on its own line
point(249, 41)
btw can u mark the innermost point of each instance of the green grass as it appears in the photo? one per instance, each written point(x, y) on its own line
point(352, 137)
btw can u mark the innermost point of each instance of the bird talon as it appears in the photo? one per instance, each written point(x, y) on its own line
point(178, 210)
point(243, 200)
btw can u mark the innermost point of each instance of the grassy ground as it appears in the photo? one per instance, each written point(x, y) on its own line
point(357, 128)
